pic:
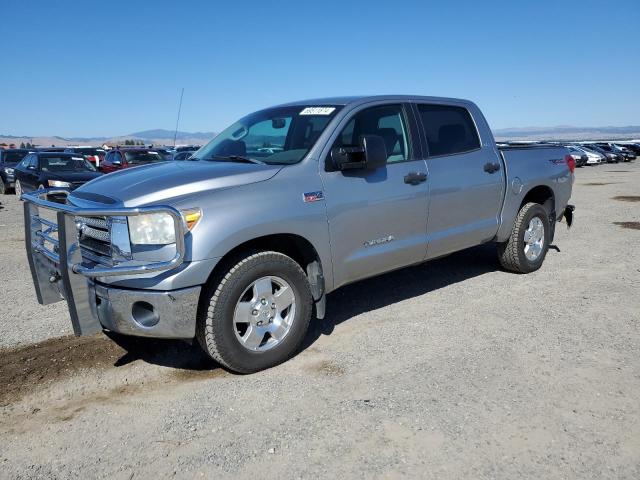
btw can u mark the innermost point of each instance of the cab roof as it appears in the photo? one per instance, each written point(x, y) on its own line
point(359, 99)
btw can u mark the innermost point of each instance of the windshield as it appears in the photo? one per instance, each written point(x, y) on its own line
point(65, 164)
point(281, 135)
point(136, 158)
point(13, 158)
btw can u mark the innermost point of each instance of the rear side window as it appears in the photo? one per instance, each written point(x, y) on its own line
point(449, 130)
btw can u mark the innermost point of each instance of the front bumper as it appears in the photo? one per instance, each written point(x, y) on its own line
point(60, 272)
point(146, 313)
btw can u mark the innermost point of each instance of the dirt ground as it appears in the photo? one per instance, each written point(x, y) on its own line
point(453, 369)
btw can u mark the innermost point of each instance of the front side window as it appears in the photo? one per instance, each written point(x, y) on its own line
point(280, 135)
point(449, 130)
point(25, 162)
point(386, 121)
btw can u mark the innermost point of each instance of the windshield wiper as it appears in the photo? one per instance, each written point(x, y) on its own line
point(238, 158)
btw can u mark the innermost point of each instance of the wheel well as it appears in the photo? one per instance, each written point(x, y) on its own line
point(542, 195)
point(294, 246)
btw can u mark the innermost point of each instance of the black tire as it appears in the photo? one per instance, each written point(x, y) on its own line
point(3, 188)
point(18, 188)
point(511, 253)
point(215, 329)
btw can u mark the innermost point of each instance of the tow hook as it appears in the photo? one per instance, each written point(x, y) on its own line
point(568, 214)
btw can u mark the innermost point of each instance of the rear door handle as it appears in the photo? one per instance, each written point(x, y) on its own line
point(491, 167)
point(414, 178)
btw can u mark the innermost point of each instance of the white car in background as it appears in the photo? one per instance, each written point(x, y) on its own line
point(593, 158)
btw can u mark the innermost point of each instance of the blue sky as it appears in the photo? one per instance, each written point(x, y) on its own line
point(78, 68)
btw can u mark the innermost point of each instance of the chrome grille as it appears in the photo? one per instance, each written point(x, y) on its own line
point(94, 237)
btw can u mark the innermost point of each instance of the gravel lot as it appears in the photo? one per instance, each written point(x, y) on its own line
point(454, 369)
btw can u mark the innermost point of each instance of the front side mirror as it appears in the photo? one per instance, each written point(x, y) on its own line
point(370, 155)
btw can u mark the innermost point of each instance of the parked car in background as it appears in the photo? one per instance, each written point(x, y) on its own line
point(184, 155)
point(188, 148)
point(578, 155)
point(129, 157)
point(9, 158)
point(593, 154)
point(165, 153)
point(593, 158)
point(634, 147)
point(39, 170)
point(627, 152)
point(612, 156)
point(94, 155)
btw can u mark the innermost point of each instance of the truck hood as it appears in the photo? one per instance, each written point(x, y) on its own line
point(160, 182)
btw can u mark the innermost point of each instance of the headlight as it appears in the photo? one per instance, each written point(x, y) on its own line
point(8, 170)
point(152, 229)
point(158, 228)
point(59, 184)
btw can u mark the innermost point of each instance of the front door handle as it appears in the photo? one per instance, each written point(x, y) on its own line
point(491, 167)
point(414, 178)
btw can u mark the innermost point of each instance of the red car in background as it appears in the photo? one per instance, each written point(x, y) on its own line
point(129, 157)
point(93, 155)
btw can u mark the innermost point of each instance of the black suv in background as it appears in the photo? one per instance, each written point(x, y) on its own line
point(8, 160)
point(39, 170)
point(624, 156)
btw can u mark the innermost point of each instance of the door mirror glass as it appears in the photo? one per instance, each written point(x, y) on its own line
point(371, 154)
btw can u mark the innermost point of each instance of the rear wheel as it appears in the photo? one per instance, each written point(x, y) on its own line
point(528, 244)
point(257, 315)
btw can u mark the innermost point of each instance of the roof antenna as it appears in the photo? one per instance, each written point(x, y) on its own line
point(178, 119)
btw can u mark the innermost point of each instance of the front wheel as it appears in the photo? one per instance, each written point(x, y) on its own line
point(18, 188)
point(528, 244)
point(257, 315)
point(3, 188)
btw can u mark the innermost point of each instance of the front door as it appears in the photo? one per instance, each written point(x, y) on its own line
point(377, 218)
point(30, 178)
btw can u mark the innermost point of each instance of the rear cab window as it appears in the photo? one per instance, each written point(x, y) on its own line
point(449, 129)
point(138, 158)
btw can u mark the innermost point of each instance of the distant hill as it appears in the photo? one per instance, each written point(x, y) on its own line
point(165, 137)
point(155, 137)
point(568, 133)
point(168, 135)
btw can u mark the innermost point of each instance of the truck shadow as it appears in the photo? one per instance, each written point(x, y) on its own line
point(342, 305)
point(377, 292)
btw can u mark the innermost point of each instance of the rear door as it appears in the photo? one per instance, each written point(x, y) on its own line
point(465, 176)
point(377, 218)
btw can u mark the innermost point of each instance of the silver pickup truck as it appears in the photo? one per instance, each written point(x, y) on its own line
point(239, 246)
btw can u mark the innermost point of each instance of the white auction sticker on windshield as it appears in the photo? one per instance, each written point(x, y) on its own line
point(318, 111)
